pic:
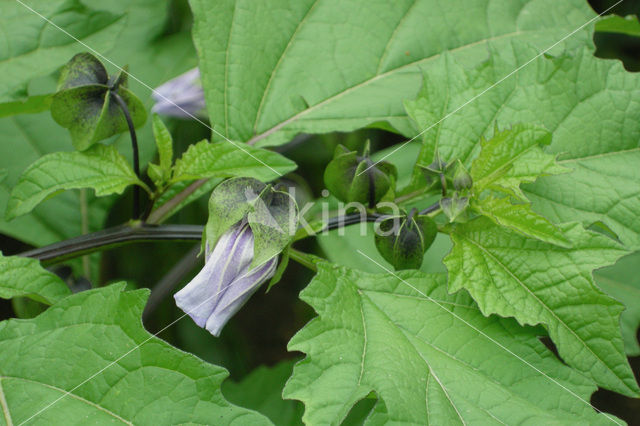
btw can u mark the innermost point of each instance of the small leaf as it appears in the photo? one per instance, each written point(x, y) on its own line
point(282, 266)
point(164, 143)
point(131, 377)
point(32, 105)
point(521, 218)
point(512, 157)
point(225, 159)
point(628, 25)
point(540, 283)
point(21, 276)
point(101, 168)
point(155, 174)
point(428, 356)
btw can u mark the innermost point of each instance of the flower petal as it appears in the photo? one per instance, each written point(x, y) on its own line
point(237, 294)
point(230, 258)
point(181, 97)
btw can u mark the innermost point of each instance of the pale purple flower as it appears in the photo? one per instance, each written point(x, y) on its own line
point(181, 97)
point(227, 280)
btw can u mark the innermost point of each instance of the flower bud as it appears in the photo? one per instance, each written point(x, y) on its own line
point(461, 178)
point(435, 172)
point(353, 178)
point(403, 241)
point(454, 206)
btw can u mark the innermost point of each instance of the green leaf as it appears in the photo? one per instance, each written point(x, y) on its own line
point(565, 95)
point(57, 218)
point(225, 159)
point(296, 71)
point(164, 143)
point(521, 219)
point(261, 391)
point(35, 48)
point(602, 187)
point(21, 276)
point(628, 25)
point(101, 168)
point(138, 377)
point(32, 105)
point(622, 282)
point(540, 283)
point(424, 352)
point(512, 157)
point(164, 210)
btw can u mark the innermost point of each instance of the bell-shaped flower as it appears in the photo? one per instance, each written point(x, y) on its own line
point(227, 280)
point(181, 97)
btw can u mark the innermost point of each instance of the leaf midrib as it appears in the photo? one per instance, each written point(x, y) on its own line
point(344, 92)
point(408, 336)
point(65, 393)
point(5, 407)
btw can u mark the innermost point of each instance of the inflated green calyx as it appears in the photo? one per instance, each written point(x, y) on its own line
point(403, 240)
point(354, 178)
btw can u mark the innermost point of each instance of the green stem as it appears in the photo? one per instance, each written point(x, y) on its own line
point(113, 237)
point(134, 146)
point(84, 214)
point(304, 259)
point(161, 213)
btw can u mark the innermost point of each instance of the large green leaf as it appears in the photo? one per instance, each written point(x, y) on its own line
point(540, 283)
point(100, 168)
point(622, 282)
point(564, 94)
point(225, 159)
point(103, 367)
point(271, 69)
point(428, 356)
point(32, 47)
point(21, 276)
point(602, 187)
